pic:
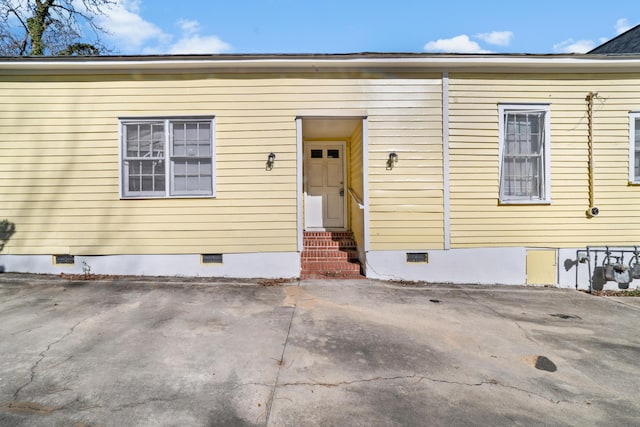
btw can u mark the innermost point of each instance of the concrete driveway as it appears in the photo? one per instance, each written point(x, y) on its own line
point(205, 353)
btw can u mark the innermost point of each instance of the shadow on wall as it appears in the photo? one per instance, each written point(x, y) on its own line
point(7, 228)
point(597, 279)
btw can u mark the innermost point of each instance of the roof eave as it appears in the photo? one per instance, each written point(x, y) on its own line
point(317, 63)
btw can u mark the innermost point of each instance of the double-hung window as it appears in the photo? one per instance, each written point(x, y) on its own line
point(524, 153)
point(634, 148)
point(167, 157)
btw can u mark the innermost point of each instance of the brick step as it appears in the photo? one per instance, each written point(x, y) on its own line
point(320, 254)
point(315, 243)
point(329, 234)
point(329, 255)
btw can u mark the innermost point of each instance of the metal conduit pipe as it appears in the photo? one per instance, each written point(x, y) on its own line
point(592, 210)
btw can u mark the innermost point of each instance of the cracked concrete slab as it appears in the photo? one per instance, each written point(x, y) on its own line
point(173, 351)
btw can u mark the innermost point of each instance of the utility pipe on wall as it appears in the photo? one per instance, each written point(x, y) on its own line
point(592, 210)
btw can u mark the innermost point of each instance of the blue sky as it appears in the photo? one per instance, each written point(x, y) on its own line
point(332, 26)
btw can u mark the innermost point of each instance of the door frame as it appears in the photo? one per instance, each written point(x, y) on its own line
point(360, 115)
point(324, 144)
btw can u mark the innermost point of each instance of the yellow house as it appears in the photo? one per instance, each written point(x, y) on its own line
point(440, 168)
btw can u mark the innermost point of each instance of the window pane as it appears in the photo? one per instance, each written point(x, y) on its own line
point(204, 149)
point(179, 168)
point(192, 131)
point(205, 132)
point(316, 154)
point(192, 150)
point(146, 176)
point(179, 132)
point(192, 176)
point(180, 183)
point(191, 139)
point(144, 140)
point(333, 154)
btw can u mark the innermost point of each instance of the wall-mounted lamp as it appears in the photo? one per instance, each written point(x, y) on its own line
point(271, 159)
point(392, 160)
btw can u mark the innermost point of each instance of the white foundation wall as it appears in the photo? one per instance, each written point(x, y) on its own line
point(254, 265)
point(567, 268)
point(504, 266)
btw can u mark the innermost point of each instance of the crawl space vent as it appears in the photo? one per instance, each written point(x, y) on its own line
point(212, 258)
point(64, 259)
point(417, 257)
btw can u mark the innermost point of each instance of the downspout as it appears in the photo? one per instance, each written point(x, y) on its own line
point(592, 210)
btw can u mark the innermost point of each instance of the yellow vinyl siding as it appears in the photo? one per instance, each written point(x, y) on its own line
point(406, 203)
point(478, 220)
point(59, 159)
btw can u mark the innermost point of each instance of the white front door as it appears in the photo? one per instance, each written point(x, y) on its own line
point(324, 206)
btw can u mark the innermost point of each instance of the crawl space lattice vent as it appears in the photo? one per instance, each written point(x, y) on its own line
point(417, 257)
point(212, 258)
point(64, 259)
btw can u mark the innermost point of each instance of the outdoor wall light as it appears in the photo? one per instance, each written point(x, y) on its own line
point(271, 159)
point(392, 160)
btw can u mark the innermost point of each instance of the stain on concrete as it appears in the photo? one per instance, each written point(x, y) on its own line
point(365, 347)
point(541, 363)
point(565, 316)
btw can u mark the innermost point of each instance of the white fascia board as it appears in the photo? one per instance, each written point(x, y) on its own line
point(462, 63)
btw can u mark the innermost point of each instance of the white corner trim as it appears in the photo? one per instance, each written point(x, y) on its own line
point(299, 160)
point(445, 162)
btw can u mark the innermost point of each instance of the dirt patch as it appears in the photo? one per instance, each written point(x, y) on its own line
point(631, 293)
point(275, 282)
point(76, 277)
point(28, 407)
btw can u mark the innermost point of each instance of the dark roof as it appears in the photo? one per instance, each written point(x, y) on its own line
point(627, 43)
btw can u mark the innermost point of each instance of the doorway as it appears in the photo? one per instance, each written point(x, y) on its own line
point(324, 185)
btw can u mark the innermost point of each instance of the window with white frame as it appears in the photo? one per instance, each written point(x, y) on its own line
point(524, 153)
point(634, 148)
point(167, 157)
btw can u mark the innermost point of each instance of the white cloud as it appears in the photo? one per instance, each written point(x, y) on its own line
point(133, 34)
point(457, 44)
point(498, 38)
point(574, 46)
point(196, 44)
point(128, 29)
point(188, 26)
point(191, 41)
point(622, 25)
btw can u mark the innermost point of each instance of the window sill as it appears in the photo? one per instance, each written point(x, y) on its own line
point(165, 198)
point(524, 202)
